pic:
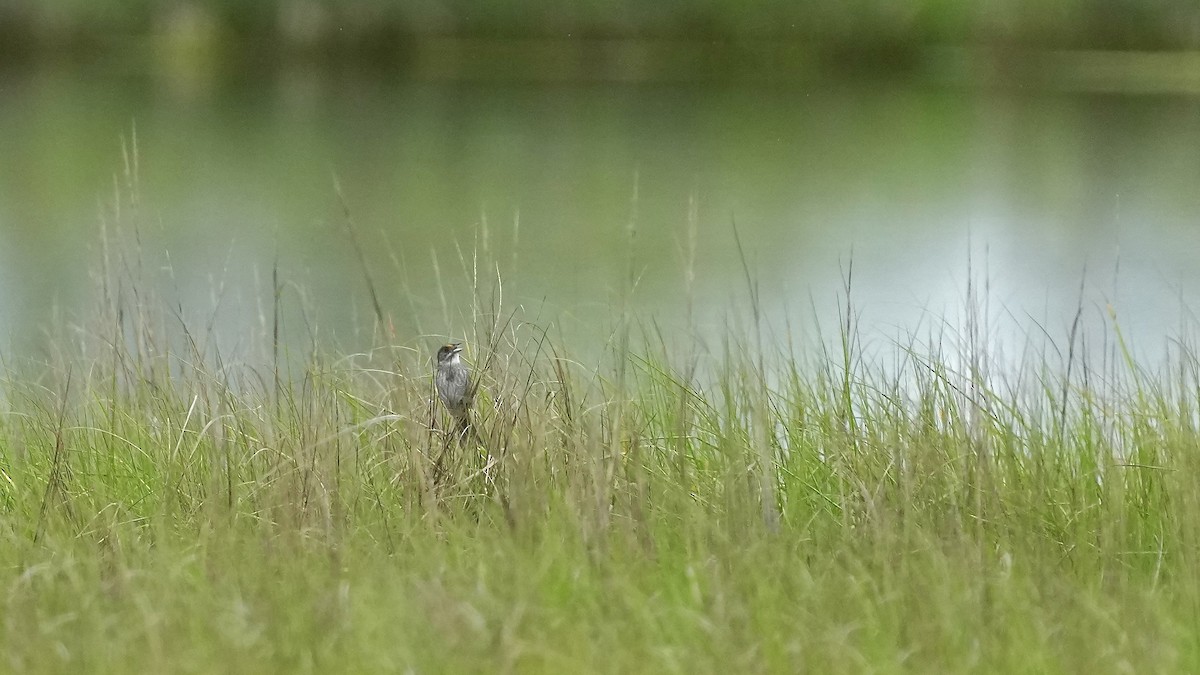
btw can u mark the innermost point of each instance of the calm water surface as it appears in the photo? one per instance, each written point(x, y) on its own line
point(913, 180)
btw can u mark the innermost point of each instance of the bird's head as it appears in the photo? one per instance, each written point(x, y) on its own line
point(449, 353)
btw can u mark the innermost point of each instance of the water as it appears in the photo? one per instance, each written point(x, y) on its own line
point(1038, 190)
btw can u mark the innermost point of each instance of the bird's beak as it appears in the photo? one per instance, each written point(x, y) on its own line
point(457, 349)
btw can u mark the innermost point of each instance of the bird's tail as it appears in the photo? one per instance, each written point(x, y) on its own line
point(465, 431)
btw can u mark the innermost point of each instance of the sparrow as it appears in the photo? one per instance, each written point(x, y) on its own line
point(453, 382)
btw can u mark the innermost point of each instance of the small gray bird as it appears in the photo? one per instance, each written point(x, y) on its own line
point(453, 382)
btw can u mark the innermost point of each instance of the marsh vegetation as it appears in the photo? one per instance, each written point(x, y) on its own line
point(765, 502)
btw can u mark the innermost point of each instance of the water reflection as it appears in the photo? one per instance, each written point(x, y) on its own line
point(908, 176)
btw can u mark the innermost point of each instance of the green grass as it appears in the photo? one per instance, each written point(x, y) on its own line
point(820, 507)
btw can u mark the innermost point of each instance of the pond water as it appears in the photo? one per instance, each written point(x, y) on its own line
point(1038, 191)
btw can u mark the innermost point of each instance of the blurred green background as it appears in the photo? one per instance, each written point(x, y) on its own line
point(322, 28)
point(1042, 138)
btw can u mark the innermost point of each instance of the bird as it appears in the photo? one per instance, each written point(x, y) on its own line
point(453, 382)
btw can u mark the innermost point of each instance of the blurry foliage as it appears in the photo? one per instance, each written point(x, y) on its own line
point(327, 28)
